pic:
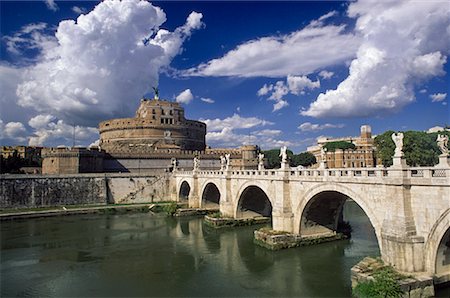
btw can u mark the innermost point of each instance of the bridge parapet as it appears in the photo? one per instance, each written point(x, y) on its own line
point(410, 175)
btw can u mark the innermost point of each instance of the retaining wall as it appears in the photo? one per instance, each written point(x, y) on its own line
point(22, 191)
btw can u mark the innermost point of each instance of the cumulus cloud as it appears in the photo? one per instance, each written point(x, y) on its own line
point(93, 67)
point(404, 44)
point(207, 100)
point(294, 85)
point(237, 131)
point(324, 74)
point(308, 126)
point(278, 56)
point(437, 97)
point(50, 130)
point(185, 96)
point(30, 37)
point(12, 132)
point(234, 122)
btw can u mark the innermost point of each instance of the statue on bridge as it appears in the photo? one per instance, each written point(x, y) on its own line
point(283, 154)
point(196, 163)
point(174, 163)
point(228, 161)
point(398, 141)
point(260, 161)
point(442, 142)
point(223, 163)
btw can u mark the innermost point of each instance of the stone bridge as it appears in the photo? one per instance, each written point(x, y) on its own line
point(409, 208)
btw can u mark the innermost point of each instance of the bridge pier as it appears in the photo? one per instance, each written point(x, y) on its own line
point(406, 254)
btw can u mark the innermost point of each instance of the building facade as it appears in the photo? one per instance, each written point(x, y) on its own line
point(364, 155)
point(147, 143)
point(158, 124)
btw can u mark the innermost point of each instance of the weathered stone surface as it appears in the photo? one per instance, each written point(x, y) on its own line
point(417, 287)
point(276, 240)
point(19, 191)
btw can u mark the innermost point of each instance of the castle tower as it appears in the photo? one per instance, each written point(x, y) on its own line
point(366, 132)
point(158, 124)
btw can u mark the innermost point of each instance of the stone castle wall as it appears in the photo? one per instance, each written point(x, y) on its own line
point(157, 124)
point(31, 191)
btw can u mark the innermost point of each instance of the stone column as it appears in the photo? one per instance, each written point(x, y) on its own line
point(401, 246)
point(194, 198)
point(226, 200)
point(282, 216)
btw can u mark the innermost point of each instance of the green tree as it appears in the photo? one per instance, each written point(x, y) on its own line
point(420, 148)
point(273, 158)
point(384, 285)
point(305, 159)
point(332, 146)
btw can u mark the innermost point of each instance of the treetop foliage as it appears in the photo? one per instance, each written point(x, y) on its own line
point(332, 146)
point(302, 159)
point(420, 148)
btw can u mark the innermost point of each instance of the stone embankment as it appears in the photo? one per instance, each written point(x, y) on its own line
point(37, 191)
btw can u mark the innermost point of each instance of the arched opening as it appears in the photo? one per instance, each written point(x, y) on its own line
point(211, 196)
point(331, 212)
point(254, 202)
point(185, 189)
point(322, 214)
point(443, 257)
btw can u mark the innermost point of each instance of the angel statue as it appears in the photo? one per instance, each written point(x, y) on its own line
point(196, 163)
point(227, 158)
point(283, 154)
point(398, 141)
point(442, 142)
point(223, 162)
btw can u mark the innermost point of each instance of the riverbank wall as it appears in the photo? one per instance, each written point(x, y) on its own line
point(34, 191)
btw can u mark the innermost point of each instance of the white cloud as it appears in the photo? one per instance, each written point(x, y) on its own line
point(279, 56)
point(207, 100)
point(299, 83)
point(51, 5)
point(234, 122)
point(78, 9)
point(30, 37)
point(48, 129)
point(295, 85)
point(438, 97)
point(268, 132)
point(423, 91)
point(12, 132)
point(93, 67)
point(185, 96)
point(308, 126)
point(227, 137)
point(404, 44)
point(225, 132)
point(324, 74)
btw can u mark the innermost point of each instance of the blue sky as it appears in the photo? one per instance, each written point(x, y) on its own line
point(267, 73)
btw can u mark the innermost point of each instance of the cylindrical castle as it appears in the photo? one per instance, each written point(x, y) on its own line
point(158, 124)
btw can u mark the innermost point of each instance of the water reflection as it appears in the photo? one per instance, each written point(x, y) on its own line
point(145, 255)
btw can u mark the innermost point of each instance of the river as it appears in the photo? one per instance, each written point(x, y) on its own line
point(142, 254)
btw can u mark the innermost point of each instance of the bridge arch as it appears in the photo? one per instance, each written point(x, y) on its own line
point(332, 208)
point(210, 195)
point(437, 247)
point(252, 197)
point(184, 191)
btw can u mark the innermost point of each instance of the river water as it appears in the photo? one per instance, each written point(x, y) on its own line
point(150, 255)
